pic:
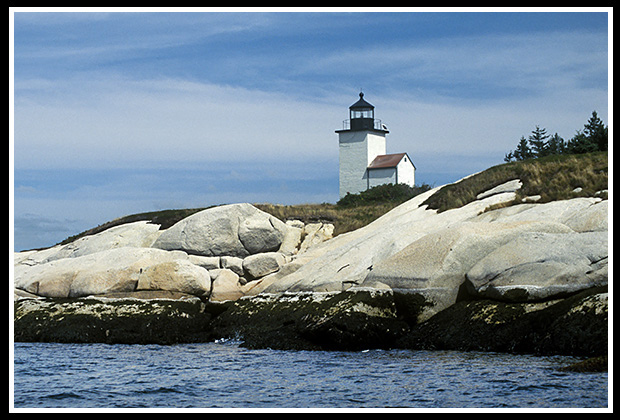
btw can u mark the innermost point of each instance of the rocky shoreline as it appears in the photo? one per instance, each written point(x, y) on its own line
point(526, 278)
point(349, 320)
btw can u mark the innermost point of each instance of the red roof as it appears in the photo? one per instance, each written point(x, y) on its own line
point(386, 161)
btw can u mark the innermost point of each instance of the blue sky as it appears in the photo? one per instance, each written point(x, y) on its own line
point(117, 113)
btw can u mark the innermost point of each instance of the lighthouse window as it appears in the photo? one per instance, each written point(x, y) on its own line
point(362, 114)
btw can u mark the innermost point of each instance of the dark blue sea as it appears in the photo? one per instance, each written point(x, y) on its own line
point(225, 375)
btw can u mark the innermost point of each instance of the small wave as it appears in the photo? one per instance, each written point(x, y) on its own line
point(160, 390)
point(540, 387)
point(62, 396)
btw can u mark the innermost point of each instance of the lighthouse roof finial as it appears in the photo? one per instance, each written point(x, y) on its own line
point(361, 103)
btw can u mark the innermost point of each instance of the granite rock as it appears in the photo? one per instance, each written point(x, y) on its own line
point(236, 230)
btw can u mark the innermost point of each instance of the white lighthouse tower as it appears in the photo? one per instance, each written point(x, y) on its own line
point(360, 141)
point(362, 149)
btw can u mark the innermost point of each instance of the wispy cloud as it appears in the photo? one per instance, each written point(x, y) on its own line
point(64, 31)
point(489, 67)
point(128, 121)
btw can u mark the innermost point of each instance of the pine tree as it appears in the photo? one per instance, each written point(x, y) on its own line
point(581, 143)
point(556, 145)
point(523, 151)
point(596, 131)
point(537, 141)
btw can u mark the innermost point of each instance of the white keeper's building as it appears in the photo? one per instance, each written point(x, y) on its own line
point(362, 149)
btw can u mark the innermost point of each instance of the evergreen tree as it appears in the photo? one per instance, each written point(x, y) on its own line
point(596, 131)
point(537, 141)
point(581, 143)
point(523, 151)
point(556, 145)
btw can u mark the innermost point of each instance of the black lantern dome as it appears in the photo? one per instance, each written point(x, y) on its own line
point(362, 118)
point(362, 114)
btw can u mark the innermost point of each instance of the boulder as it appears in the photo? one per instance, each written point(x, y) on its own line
point(208, 263)
point(114, 270)
point(225, 286)
point(259, 265)
point(235, 264)
point(176, 276)
point(261, 233)
point(35, 257)
point(135, 235)
point(292, 239)
point(235, 230)
point(314, 234)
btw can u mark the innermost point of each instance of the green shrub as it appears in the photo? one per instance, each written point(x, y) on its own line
point(387, 193)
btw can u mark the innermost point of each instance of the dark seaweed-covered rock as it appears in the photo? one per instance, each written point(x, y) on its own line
point(593, 364)
point(333, 321)
point(329, 321)
point(111, 320)
point(573, 326)
point(355, 319)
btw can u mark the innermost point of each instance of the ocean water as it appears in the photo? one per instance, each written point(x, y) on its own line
point(225, 375)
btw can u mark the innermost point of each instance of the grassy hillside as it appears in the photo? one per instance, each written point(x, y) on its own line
point(553, 178)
